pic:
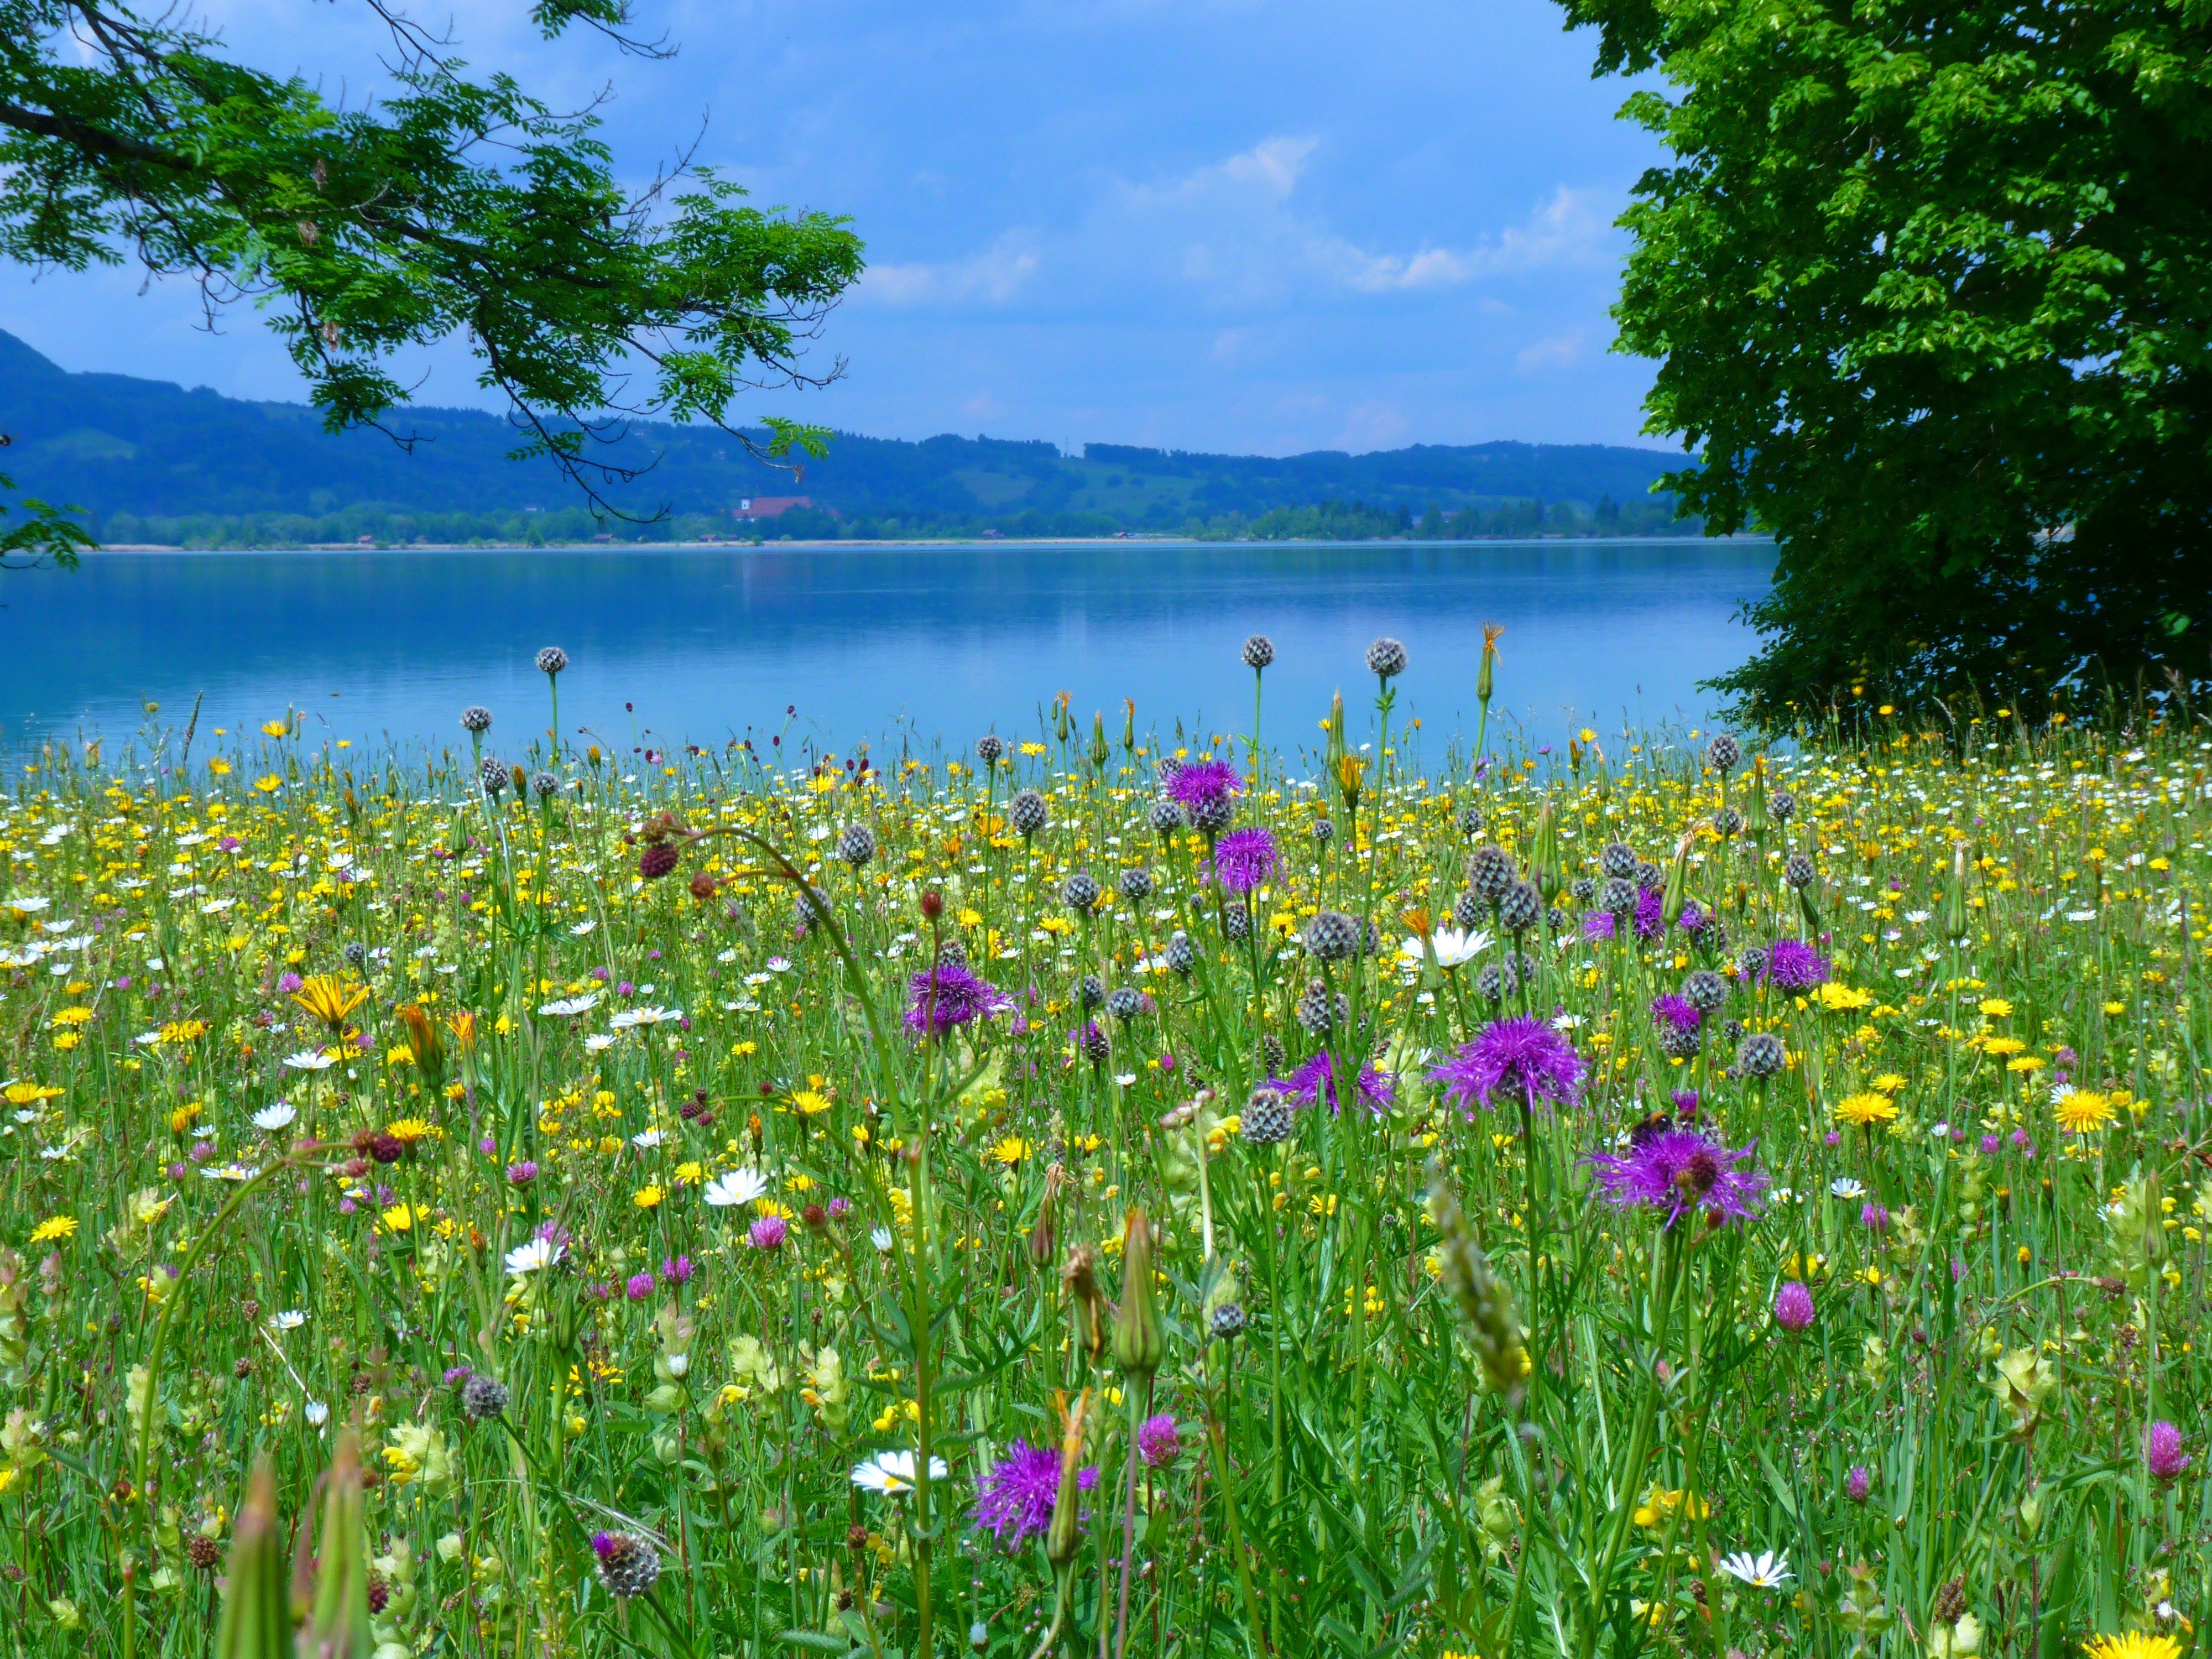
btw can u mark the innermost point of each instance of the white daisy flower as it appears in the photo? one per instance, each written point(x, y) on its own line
point(534, 1255)
point(290, 1320)
point(646, 1139)
point(1767, 1570)
point(881, 1238)
point(631, 1018)
point(317, 1414)
point(893, 1473)
point(311, 1060)
point(1456, 946)
point(736, 1189)
point(597, 1043)
point(1845, 1187)
point(569, 1008)
point(273, 1118)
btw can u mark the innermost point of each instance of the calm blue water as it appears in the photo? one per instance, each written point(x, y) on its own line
point(709, 643)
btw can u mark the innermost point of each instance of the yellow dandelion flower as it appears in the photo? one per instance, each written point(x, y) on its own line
point(277, 728)
point(1889, 1082)
point(2025, 1063)
point(399, 1218)
point(810, 1101)
point(183, 1031)
point(1996, 1007)
point(269, 783)
point(1011, 1151)
point(330, 998)
point(1864, 1109)
point(2082, 1111)
point(30, 1094)
point(2134, 1644)
point(73, 1017)
point(54, 1227)
point(408, 1130)
point(1842, 998)
point(648, 1197)
point(219, 767)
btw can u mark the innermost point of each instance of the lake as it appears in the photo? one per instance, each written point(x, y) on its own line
point(702, 644)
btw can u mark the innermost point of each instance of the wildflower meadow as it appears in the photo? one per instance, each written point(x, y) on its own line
point(1110, 1189)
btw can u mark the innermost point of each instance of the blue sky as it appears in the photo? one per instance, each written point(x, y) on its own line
point(1241, 225)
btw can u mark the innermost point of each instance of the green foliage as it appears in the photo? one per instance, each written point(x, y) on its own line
point(364, 231)
point(1930, 288)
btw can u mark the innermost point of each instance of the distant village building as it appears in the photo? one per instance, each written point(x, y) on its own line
point(768, 507)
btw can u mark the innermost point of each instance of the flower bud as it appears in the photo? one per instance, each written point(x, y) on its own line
point(1955, 918)
point(1486, 676)
point(1064, 1536)
point(1544, 856)
point(1086, 1302)
point(1678, 881)
point(1140, 1343)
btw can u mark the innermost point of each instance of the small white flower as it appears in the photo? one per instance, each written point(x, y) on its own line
point(569, 1008)
point(1456, 946)
point(1845, 1187)
point(1767, 1570)
point(290, 1320)
point(534, 1255)
point(646, 1139)
point(597, 1043)
point(317, 1414)
point(273, 1118)
point(230, 1171)
point(881, 1238)
point(778, 964)
point(1918, 918)
point(632, 1017)
point(2081, 916)
point(736, 1189)
point(893, 1473)
point(311, 1060)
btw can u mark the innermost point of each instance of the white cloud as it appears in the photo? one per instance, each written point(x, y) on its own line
point(1554, 351)
point(994, 277)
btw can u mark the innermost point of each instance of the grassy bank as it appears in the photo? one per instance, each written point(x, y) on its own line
point(927, 1219)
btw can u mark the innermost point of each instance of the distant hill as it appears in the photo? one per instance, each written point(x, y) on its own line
point(150, 461)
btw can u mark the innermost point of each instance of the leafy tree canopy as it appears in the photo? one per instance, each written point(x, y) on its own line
point(455, 206)
point(1931, 285)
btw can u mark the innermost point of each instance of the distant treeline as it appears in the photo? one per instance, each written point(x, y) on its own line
point(1328, 521)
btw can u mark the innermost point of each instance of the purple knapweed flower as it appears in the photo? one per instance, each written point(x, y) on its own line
point(639, 1287)
point(1597, 927)
point(1793, 1307)
point(768, 1233)
point(1677, 1012)
point(1522, 1059)
point(1015, 1497)
point(1651, 913)
point(1317, 1076)
point(1679, 1171)
point(1157, 1441)
point(2162, 1452)
point(1200, 783)
point(1243, 859)
point(1796, 967)
point(948, 996)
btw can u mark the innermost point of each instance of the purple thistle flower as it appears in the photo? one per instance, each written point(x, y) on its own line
point(603, 1544)
point(949, 995)
point(1677, 1012)
point(1859, 1484)
point(1200, 783)
point(2162, 1452)
point(1651, 913)
point(1793, 966)
point(1693, 918)
point(1793, 1307)
point(1679, 1170)
point(1597, 927)
point(768, 1233)
point(1315, 1076)
point(1157, 1441)
point(1522, 1058)
point(1015, 1497)
point(1245, 858)
point(639, 1287)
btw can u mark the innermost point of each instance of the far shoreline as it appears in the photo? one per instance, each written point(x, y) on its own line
point(963, 543)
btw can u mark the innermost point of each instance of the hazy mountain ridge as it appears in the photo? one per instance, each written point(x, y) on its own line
point(149, 460)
